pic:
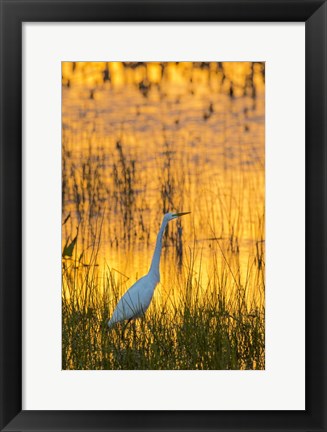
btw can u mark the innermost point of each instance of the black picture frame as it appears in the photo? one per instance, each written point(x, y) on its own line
point(13, 14)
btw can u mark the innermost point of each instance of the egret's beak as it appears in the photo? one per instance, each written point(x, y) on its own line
point(180, 214)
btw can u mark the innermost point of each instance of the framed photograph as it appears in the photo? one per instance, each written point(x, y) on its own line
point(163, 215)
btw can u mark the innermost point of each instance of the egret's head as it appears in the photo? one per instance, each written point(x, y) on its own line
point(171, 216)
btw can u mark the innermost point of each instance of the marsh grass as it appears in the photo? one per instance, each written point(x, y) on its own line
point(219, 333)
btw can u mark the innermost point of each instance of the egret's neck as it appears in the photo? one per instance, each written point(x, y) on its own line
point(154, 269)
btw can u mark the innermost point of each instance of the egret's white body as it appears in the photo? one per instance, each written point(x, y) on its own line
point(137, 299)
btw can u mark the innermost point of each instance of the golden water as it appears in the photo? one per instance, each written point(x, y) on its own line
point(190, 138)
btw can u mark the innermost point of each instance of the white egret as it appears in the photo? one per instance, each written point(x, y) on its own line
point(137, 299)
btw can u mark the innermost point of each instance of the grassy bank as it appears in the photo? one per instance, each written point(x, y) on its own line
point(197, 338)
